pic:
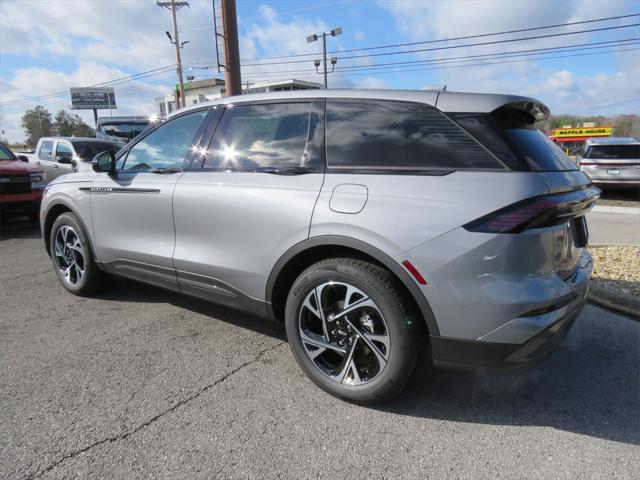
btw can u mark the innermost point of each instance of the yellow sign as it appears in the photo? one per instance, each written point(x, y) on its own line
point(582, 132)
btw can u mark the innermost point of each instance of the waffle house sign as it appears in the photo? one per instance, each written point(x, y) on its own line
point(580, 134)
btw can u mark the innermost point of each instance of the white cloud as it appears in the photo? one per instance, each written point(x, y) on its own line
point(371, 82)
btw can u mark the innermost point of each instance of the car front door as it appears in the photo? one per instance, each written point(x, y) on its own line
point(45, 159)
point(250, 201)
point(63, 160)
point(131, 209)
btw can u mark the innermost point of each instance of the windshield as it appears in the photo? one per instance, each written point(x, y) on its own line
point(614, 152)
point(87, 150)
point(540, 153)
point(123, 130)
point(5, 153)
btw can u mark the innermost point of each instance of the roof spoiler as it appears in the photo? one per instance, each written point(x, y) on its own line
point(525, 113)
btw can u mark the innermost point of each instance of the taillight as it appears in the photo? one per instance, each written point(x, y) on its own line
point(537, 212)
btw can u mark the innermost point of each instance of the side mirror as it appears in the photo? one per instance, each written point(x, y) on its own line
point(64, 159)
point(104, 162)
point(23, 158)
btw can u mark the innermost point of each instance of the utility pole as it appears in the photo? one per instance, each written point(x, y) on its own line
point(174, 6)
point(232, 80)
point(314, 38)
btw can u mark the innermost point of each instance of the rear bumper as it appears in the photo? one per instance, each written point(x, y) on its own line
point(605, 176)
point(523, 339)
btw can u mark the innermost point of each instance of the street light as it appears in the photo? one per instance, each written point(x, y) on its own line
point(314, 38)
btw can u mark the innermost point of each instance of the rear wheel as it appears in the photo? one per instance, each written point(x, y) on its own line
point(72, 257)
point(351, 330)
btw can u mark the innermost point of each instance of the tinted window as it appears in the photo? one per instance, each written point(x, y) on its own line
point(87, 150)
point(540, 153)
point(124, 130)
point(614, 152)
point(398, 135)
point(252, 137)
point(63, 150)
point(167, 146)
point(46, 149)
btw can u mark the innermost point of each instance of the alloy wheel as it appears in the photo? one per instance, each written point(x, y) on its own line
point(344, 333)
point(69, 255)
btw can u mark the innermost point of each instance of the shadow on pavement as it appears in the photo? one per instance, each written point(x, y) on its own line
point(586, 386)
point(18, 228)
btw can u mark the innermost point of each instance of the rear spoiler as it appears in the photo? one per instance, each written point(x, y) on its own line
point(521, 114)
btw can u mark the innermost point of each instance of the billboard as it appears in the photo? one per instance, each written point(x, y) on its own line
point(93, 97)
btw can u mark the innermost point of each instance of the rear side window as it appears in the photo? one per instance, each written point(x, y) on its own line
point(614, 152)
point(46, 149)
point(399, 135)
point(254, 137)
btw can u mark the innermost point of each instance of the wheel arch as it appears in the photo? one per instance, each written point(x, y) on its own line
point(53, 212)
point(307, 252)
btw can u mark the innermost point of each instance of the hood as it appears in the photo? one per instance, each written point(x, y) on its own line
point(17, 167)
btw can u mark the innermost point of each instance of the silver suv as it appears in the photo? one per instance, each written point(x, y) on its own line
point(611, 162)
point(380, 226)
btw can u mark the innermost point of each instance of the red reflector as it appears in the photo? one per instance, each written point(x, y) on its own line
point(414, 271)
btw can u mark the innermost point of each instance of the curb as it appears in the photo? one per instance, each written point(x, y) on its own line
point(616, 210)
point(612, 300)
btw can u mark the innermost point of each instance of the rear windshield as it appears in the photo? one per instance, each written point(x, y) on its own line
point(614, 152)
point(540, 153)
point(123, 130)
point(87, 150)
point(520, 148)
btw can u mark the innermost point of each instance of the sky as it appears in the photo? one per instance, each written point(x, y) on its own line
point(48, 46)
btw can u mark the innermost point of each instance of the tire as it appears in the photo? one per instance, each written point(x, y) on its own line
point(379, 331)
point(72, 258)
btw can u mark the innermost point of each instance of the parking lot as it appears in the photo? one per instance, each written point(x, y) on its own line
point(139, 382)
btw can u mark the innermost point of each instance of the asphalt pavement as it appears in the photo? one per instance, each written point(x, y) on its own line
point(141, 383)
point(614, 228)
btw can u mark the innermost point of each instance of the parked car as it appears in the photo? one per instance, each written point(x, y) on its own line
point(121, 129)
point(376, 224)
point(21, 185)
point(61, 155)
point(611, 162)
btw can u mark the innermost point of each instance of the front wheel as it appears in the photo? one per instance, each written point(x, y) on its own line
point(72, 256)
point(352, 331)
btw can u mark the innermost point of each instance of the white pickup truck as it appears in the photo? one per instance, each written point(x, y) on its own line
point(60, 155)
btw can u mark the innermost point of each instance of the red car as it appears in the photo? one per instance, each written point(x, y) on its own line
point(21, 185)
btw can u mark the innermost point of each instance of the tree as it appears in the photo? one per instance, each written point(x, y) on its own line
point(36, 123)
point(72, 125)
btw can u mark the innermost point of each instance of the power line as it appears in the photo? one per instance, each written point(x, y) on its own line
point(547, 50)
point(443, 65)
point(448, 47)
point(115, 81)
point(466, 37)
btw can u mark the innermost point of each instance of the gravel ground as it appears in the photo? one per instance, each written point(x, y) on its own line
point(617, 267)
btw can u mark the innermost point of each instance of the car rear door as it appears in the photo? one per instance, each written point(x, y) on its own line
point(134, 233)
point(248, 199)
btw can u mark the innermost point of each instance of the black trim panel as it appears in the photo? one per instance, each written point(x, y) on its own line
point(456, 353)
point(341, 241)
